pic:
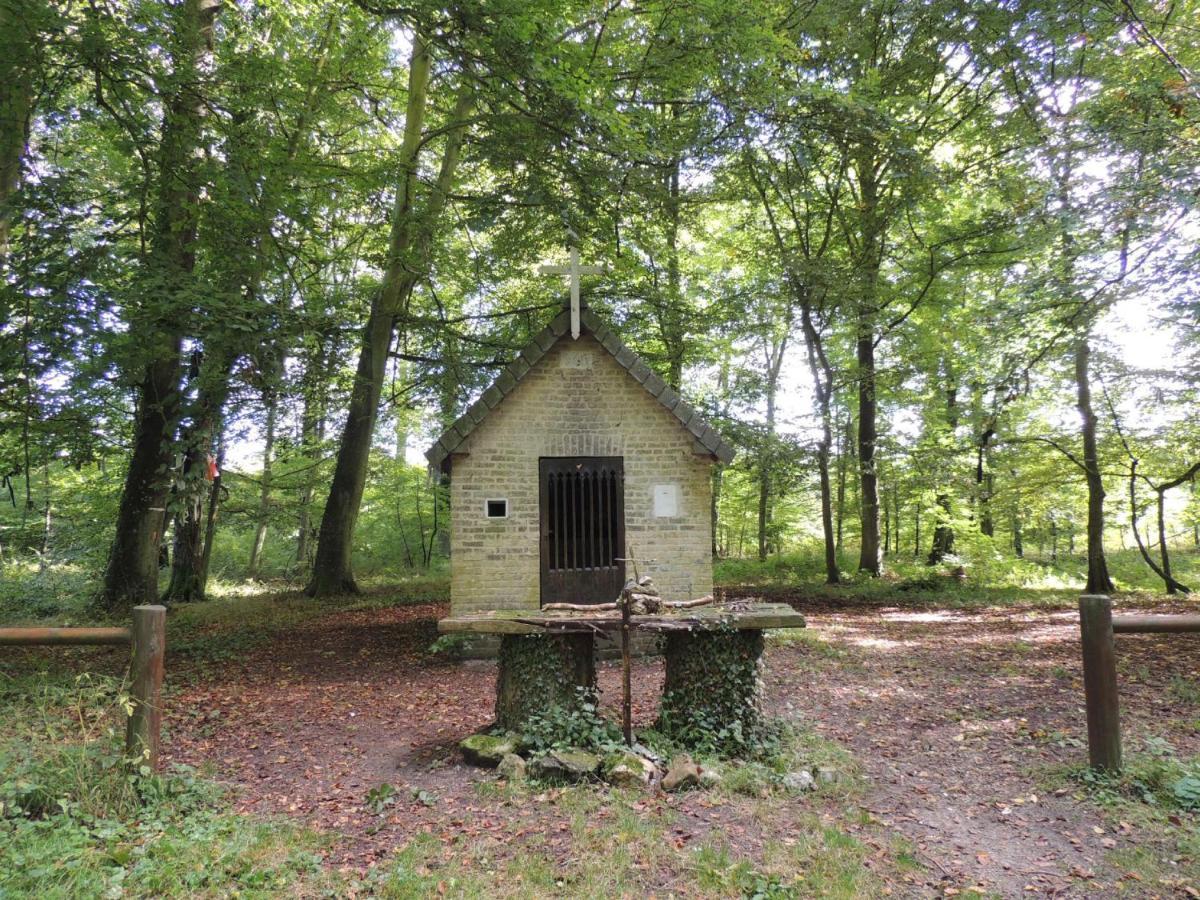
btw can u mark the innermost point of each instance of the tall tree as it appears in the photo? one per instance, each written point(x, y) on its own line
point(131, 576)
point(799, 187)
point(413, 226)
point(20, 43)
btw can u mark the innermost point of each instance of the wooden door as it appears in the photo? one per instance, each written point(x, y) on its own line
point(582, 502)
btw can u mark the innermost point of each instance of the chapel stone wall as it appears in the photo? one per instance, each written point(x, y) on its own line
point(576, 401)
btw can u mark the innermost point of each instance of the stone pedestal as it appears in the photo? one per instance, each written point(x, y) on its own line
point(713, 682)
point(538, 672)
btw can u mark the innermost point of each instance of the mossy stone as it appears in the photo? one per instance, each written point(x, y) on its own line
point(512, 767)
point(488, 749)
point(626, 769)
point(565, 765)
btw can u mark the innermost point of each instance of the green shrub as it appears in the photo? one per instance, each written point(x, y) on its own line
point(77, 820)
point(578, 725)
point(1157, 777)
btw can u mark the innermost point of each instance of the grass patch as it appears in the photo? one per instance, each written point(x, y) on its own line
point(77, 820)
point(61, 594)
point(797, 750)
point(1156, 798)
point(624, 844)
point(813, 643)
point(993, 579)
point(1185, 690)
point(1156, 779)
point(615, 843)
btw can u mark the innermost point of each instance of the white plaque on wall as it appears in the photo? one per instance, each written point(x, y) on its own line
point(666, 501)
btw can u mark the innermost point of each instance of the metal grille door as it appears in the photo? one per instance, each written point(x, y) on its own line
point(582, 529)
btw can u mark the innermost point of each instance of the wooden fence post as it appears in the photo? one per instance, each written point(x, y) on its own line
point(146, 678)
point(1100, 682)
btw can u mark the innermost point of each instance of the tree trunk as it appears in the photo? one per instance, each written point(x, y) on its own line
point(984, 483)
point(886, 513)
point(332, 572)
point(184, 586)
point(47, 496)
point(943, 532)
point(1163, 571)
point(243, 221)
point(210, 524)
point(1163, 553)
point(312, 436)
point(765, 472)
point(1196, 513)
point(870, 559)
point(917, 530)
point(1098, 580)
point(27, 408)
point(822, 375)
point(19, 42)
point(832, 574)
point(671, 320)
point(188, 579)
point(896, 517)
point(718, 471)
point(844, 449)
point(131, 577)
point(264, 495)
point(775, 350)
point(407, 257)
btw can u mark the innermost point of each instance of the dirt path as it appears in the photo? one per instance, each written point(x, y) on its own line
point(956, 716)
point(953, 717)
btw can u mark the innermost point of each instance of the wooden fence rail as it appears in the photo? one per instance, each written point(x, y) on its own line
point(1097, 627)
point(148, 637)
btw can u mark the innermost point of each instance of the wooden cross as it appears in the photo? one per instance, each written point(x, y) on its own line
point(574, 270)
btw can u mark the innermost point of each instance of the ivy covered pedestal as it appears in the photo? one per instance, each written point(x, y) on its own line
point(538, 672)
point(712, 694)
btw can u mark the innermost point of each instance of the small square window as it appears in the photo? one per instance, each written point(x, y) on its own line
point(496, 509)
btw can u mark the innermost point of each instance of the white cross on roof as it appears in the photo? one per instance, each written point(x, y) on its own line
point(574, 270)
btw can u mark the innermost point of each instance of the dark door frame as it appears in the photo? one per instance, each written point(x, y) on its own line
point(581, 528)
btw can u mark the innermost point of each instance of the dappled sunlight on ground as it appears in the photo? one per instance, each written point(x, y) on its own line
point(955, 716)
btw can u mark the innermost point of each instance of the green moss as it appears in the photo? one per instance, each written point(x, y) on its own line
point(488, 749)
point(565, 765)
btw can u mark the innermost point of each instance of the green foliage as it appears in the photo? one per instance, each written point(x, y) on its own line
point(1185, 690)
point(451, 645)
point(76, 821)
point(1158, 778)
point(578, 724)
point(943, 176)
point(998, 581)
point(536, 667)
point(711, 703)
point(740, 879)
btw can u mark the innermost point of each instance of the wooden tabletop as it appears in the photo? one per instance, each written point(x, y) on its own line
point(739, 615)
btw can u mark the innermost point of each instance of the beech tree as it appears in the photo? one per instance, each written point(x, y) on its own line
point(161, 318)
point(253, 255)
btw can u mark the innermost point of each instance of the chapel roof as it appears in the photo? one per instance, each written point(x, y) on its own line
point(688, 417)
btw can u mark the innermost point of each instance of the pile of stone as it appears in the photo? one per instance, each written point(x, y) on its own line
point(637, 767)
